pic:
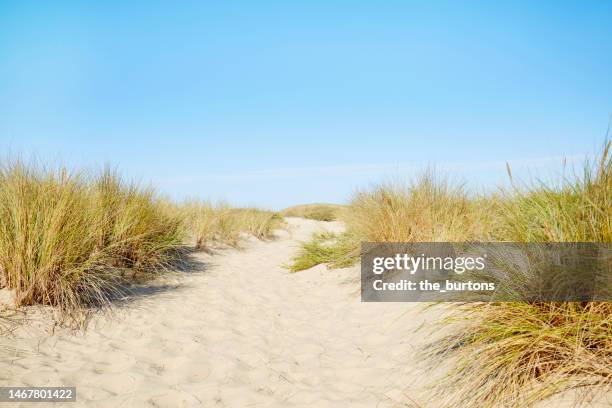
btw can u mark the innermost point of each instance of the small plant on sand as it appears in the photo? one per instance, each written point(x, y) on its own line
point(258, 223)
point(335, 250)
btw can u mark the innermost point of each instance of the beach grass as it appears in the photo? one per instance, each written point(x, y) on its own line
point(428, 209)
point(317, 212)
point(502, 354)
point(209, 223)
point(70, 240)
point(519, 353)
point(76, 240)
point(334, 250)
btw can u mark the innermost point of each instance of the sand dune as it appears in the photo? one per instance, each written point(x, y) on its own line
point(240, 332)
point(237, 331)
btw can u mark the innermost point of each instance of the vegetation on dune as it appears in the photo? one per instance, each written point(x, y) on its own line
point(318, 212)
point(503, 354)
point(67, 240)
point(258, 223)
point(429, 209)
point(515, 354)
point(579, 210)
point(335, 250)
point(73, 240)
point(207, 223)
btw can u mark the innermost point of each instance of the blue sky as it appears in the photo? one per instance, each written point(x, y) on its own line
point(271, 103)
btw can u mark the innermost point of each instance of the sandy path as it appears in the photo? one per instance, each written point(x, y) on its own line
point(242, 332)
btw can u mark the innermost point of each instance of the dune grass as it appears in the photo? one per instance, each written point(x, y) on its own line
point(69, 240)
point(502, 354)
point(74, 240)
point(335, 250)
point(318, 212)
point(210, 223)
point(428, 209)
point(516, 354)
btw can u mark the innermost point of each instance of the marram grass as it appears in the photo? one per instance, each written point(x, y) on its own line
point(74, 240)
point(502, 354)
point(516, 354)
point(67, 240)
point(429, 209)
point(318, 212)
point(208, 223)
point(335, 250)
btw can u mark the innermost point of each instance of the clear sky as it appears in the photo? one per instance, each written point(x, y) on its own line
point(277, 103)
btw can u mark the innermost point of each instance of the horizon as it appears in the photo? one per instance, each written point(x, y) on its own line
point(275, 105)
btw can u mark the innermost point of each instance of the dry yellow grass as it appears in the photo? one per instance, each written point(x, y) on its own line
point(427, 210)
point(317, 211)
point(67, 239)
point(516, 354)
point(503, 354)
point(73, 240)
point(209, 223)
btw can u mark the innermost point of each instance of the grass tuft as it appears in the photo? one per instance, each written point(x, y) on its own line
point(318, 212)
point(208, 223)
point(67, 240)
point(516, 354)
point(335, 250)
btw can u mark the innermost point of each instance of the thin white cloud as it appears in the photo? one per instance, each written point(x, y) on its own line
point(293, 173)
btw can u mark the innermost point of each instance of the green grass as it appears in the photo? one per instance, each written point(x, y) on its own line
point(337, 251)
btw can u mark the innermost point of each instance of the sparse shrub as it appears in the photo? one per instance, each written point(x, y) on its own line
point(258, 223)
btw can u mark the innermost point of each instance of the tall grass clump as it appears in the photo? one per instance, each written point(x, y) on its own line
point(69, 240)
point(428, 209)
point(516, 354)
point(317, 212)
point(142, 231)
point(258, 223)
point(579, 210)
point(208, 223)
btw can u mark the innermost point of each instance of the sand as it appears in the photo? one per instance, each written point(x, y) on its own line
point(237, 330)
